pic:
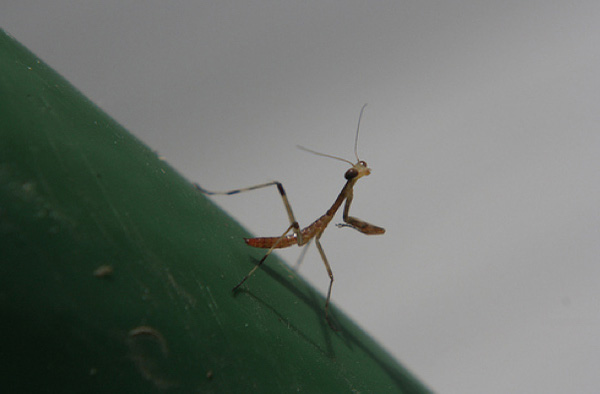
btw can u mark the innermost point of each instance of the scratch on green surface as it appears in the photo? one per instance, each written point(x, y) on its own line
point(213, 306)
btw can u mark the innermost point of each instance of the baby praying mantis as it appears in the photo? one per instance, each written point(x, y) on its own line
point(314, 231)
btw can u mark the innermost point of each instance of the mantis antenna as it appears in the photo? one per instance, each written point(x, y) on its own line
point(355, 143)
point(357, 129)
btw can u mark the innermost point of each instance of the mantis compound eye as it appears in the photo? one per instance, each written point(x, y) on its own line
point(351, 173)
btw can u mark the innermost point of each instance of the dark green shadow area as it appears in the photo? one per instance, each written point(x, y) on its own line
point(78, 193)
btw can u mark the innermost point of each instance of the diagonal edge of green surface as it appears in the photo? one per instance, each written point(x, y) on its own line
point(116, 275)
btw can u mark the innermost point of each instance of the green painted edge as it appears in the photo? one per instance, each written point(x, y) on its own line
point(117, 276)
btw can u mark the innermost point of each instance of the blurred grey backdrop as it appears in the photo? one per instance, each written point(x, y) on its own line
point(482, 131)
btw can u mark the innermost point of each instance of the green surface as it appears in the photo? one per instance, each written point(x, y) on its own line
point(77, 193)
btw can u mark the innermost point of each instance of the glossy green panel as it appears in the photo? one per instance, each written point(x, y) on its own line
point(117, 276)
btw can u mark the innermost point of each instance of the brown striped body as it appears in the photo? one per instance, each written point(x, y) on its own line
point(307, 234)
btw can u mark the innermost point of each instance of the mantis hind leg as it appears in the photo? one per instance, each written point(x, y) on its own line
point(264, 257)
point(330, 273)
point(294, 226)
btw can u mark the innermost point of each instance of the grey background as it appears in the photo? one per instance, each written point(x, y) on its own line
point(482, 132)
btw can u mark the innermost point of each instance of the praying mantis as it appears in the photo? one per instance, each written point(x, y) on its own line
point(314, 230)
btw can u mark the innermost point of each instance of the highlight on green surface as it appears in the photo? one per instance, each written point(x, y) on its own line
point(116, 274)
